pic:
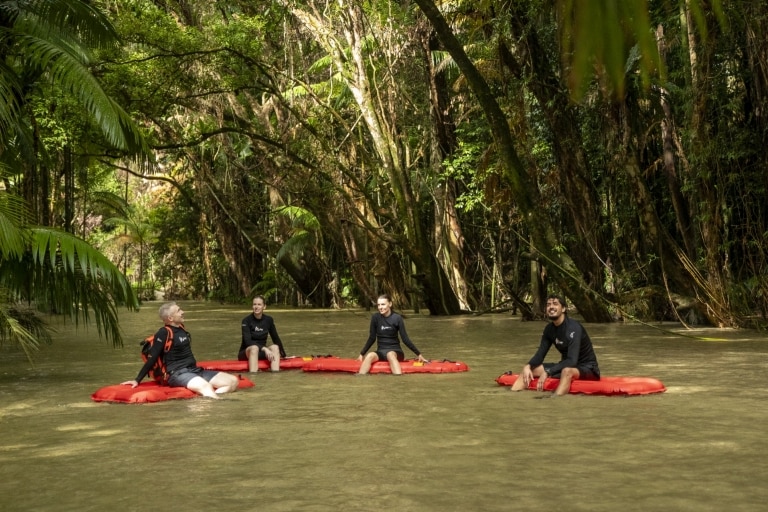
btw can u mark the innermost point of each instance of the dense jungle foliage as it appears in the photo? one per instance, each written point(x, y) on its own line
point(460, 156)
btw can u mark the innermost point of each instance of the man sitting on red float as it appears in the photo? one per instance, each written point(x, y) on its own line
point(578, 360)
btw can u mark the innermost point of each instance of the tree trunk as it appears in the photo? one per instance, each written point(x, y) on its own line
point(574, 178)
point(351, 64)
point(526, 193)
point(448, 233)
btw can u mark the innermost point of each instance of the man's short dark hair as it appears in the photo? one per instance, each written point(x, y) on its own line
point(560, 299)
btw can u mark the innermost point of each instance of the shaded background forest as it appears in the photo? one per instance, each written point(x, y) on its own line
point(464, 156)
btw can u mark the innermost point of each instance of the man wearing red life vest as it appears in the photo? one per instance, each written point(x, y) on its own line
point(180, 362)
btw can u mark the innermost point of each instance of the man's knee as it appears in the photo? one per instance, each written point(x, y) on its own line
point(225, 380)
point(570, 373)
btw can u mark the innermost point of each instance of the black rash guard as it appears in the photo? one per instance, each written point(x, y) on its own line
point(573, 343)
point(256, 330)
point(386, 329)
point(178, 356)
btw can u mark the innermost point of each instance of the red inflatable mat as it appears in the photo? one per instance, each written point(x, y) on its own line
point(609, 386)
point(233, 365)
point(149, 392)
point(408, 366)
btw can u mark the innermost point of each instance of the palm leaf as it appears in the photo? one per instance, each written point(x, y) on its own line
point(63, 274)
point(69, 72)
point(10, 90)
point(22, 327)
point(58, 248)
point(79, 19)
point(54, 37)
point(12, 216)
point(300, 217)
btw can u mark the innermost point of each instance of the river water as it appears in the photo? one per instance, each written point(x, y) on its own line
point(337, 442)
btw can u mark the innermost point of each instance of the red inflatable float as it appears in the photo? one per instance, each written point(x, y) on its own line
point(408, 366)
point(233, 365)
point(149, 392)
point(605, 386)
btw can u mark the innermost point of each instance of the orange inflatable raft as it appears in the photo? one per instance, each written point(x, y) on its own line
point(233, 365)
point(149, 392)
point(408, 366)
point(610, 386)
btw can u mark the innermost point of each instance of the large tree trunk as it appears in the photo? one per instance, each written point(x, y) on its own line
point(526, 193)
point(351, 64)
point(712, 286)
point(574, 182)
point(448, 233)
point(669, 138)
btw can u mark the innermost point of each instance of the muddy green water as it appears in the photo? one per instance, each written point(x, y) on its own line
point(331, 442)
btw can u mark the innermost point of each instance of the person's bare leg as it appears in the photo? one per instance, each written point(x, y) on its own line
point(273, 354)
point(567, 376)
point(224, 382)
point(394, 364)
point(526, 376)
point(253, 358)
point(203, 387)
point(368, 360)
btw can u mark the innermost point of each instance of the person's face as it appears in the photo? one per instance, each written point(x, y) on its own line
point(176, 314)
point(258, 307)
point(554, 309)
point(384, 306)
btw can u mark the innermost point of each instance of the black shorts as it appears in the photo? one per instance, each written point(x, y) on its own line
point(383, 354)
point(241, 356)
point(585, 373)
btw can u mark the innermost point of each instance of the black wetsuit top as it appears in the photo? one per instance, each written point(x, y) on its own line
point(256, 330)
point(385, 330)
point(573, 343)
point(178, 356)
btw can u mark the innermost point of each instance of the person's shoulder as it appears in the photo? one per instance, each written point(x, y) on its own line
point(162, 331)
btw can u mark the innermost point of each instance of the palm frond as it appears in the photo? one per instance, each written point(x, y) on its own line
point(12, 216)
point(55, 37)
point(321, 64)
point(300, 217)
point(113, 202)
point(80, 20)
point(69, 72)
point(10, 90)
point(305, 230)
point(73, 255)
point(64, 274)
point(295, 246)
point(22, 327)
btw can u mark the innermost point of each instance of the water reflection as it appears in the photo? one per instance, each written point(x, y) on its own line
point(321, 442)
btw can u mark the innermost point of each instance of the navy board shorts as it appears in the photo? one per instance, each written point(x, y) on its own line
point(180, 378)
point(242, 356)
point(383, 354)
point(585, 373)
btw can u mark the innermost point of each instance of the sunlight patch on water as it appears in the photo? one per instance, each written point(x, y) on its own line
point(68, 450)
point(77, 426)
point(15, 447)
point(687, 390)
point(19, 409)
point(106, 433)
